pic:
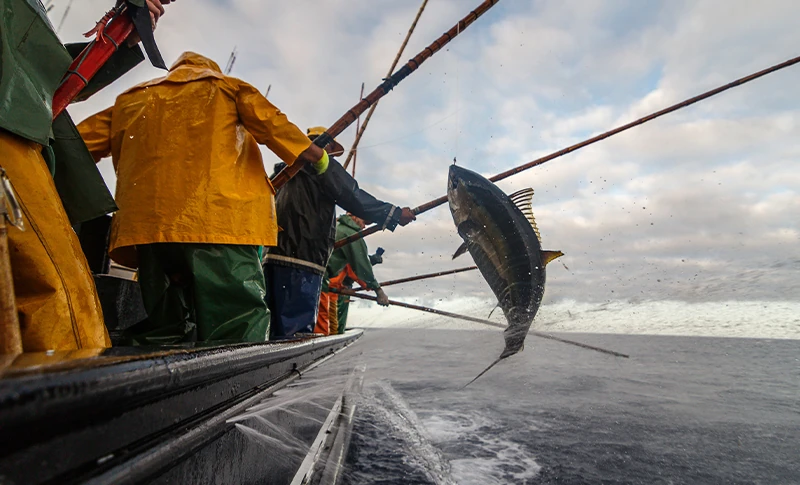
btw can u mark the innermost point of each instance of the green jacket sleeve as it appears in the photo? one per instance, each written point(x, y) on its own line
point(80, 186)
point(358, 257)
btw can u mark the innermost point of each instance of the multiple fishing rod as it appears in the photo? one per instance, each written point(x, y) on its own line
point(675, 107)
point(348, 118)
point(443, 313)
point(121, 21)
point(360, 130)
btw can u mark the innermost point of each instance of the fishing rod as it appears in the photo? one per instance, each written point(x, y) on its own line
point(412, 65)
point(443, 313)
point(360, 131)
point(675, 107)
point(422, 277)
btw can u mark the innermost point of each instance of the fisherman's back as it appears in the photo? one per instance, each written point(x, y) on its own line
point(306, 216)
point(188, 166)
point(195, 202)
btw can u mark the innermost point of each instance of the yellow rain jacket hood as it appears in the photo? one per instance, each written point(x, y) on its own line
point(189, 170)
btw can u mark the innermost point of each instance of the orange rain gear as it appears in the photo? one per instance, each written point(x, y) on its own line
point(188, 166)
point(328, 314)
point(56, 299)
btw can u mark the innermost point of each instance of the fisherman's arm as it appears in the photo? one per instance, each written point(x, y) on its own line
point(350, 197)
point(353, 276)
point(360, 269)
point(270, 127)
point(358, 258)
point(96, 133)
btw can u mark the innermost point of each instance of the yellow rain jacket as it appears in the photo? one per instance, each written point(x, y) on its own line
point(188, 167)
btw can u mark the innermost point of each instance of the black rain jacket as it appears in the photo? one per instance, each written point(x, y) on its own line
point(306, 208)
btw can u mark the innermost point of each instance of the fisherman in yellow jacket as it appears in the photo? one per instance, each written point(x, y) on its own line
point(195, 203)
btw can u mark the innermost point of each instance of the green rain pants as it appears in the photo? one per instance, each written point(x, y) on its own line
point(205, 292)
point(343, 304)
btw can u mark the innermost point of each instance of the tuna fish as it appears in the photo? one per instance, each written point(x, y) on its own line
point(500, 233)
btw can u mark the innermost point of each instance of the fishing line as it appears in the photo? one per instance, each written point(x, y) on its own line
point(458, 99)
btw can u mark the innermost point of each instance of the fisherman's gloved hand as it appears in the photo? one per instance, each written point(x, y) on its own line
point(376, 258)
point(407, 216)
point(383, 300)
point(322, 164)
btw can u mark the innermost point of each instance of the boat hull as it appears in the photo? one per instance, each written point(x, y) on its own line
point(160, 417)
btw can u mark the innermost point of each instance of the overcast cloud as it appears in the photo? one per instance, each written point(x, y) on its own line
point(702, 205)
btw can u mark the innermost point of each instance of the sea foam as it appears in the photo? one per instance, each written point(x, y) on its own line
point(749, 319)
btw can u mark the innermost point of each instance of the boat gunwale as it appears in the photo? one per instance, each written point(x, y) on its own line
point(54, 403)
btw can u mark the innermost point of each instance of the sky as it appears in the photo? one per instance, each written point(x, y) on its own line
point(699, 206)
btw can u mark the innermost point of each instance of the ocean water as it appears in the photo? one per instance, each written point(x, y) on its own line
point(709, 395)
point(679, 410)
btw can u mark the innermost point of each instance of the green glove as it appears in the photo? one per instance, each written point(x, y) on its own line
point(322, 165)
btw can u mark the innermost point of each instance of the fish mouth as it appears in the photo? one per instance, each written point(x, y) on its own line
point(454, 180)
point(464, 177)
point(460, 185)
point(453, 177)
point(455, 174)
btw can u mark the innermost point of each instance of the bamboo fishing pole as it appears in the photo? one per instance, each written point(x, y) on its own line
point(423, 277)
point(675, 107)
point(412, 65)
point(360, 131)
point(443, 313)
point(358, 128)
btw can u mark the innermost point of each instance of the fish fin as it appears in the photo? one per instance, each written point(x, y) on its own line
point(548, 256)
point(461, 250)
point(484, 371)
point(522, 199)
point(523, 193)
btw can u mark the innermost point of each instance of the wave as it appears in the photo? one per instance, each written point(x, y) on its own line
point(748, 319)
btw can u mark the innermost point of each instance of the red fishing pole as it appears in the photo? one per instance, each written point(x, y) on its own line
point(111, 31)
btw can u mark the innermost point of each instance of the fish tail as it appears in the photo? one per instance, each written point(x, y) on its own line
point(484, 371)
